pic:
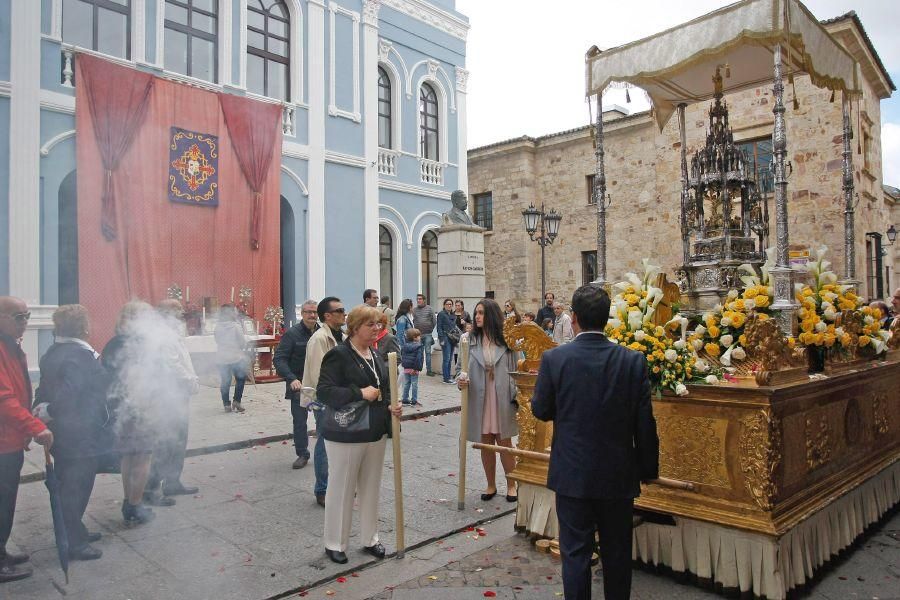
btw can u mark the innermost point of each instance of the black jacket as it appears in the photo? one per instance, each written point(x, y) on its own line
point(342, 377)
point(290, 355)
point(75, 385)
point(545, 312)
point(597, 394)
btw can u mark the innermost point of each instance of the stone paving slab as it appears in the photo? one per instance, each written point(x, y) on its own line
point(267, 418)
point(252, 532)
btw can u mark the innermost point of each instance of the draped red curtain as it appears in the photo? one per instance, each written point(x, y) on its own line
point(254, 128)
point(117, 98)
point(160, 242)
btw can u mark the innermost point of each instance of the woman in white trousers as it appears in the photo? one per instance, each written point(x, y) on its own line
point(353, 385)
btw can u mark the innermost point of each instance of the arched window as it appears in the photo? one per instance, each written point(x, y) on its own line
point(191, 38)
point(429, 265)
point(101, 25)
point(268, 48)
point(428, 122)
point(384, 109)
point(386, 261)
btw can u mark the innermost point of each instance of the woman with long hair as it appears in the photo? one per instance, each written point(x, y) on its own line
point(492, 394)
point(510, 310)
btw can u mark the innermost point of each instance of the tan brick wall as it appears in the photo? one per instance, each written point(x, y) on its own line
point(643, 179)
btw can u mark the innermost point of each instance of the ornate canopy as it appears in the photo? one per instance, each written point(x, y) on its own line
point(674, 66)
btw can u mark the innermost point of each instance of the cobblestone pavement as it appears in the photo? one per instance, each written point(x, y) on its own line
point(510, 568)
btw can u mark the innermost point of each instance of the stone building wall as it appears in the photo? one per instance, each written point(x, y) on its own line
point(643, 180)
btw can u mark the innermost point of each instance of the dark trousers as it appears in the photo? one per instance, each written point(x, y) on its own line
point(168, 454)
point(10, 470)
point(76, 482)
point(579, 518)
point(301, 435)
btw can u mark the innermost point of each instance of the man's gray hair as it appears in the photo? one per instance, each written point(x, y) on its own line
point(309, 302)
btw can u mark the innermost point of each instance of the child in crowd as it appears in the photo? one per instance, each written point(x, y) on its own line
point(412, 356)
point(528, 317)
point(548, 326)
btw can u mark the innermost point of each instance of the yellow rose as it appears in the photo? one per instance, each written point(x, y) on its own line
point(763, 317)
point(713, 331)
point(738, 320)
point(742, 339)
point(762, 301)
point(791, 342)
point(864, 340)
point(751, 292)
point(712, 349)
point(829, 339)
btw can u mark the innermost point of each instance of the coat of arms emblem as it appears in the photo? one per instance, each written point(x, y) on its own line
point(193, 168)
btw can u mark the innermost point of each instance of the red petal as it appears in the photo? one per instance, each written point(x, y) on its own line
point(341, 579)
point(489, 594)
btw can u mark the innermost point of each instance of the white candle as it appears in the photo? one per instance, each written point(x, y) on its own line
point(256, 325)
point(187, 294)
point(204, 315)
point(273, 326)
point(232, 294)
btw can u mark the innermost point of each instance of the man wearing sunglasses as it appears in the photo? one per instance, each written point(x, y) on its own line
point(331, 314)
point(17, 426)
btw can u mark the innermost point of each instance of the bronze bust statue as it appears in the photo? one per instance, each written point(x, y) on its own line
point(457, 215)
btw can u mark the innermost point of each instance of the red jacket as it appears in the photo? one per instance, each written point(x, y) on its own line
point(17, 426)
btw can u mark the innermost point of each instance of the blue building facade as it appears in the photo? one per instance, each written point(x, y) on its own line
point(373, 96)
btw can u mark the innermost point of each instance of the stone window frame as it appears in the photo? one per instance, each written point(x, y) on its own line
point(483, 210)
point(589, 183)
point(588, 271)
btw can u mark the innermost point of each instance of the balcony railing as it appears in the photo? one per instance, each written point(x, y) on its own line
point(431, 171)
point(387, 162)
point(288, 123)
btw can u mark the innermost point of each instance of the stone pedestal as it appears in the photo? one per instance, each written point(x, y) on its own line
point(460, 264)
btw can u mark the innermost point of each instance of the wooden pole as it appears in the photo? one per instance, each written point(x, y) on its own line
point(398, 474)
point(463, 420)
point(545, 457)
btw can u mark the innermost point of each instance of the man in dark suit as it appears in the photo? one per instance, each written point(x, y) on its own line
point(597, 394)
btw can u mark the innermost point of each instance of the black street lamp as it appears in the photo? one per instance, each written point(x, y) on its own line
point(548, 224)
point(892, 235)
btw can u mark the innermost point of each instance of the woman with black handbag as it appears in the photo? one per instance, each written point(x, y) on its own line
point(353, 386)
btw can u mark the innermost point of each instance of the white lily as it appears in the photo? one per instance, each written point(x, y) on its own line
point(697, 344)
point(681, 389)
point(639, 335)
point(700, 330)
point(712, 379)
point(680, 344)
point(725, 359)
point(701, 366)
point(821, 326)
point(671, 355)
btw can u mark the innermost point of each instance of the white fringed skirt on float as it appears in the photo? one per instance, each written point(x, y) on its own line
point(767, 566)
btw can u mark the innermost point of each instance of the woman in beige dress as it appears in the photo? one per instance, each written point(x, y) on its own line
point(492, 394)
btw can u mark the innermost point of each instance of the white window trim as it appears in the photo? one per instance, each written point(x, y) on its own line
point(421, 235)
point(396, 106)
point(136, 21)
point(223, 43)
point(396, 258)
point(442, 119)
point(354, 115)
point(296, 51)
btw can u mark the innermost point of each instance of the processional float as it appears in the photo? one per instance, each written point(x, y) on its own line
point(782, 474)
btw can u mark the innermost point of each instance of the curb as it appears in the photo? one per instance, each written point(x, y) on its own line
point(376, 562)
point(241, 444)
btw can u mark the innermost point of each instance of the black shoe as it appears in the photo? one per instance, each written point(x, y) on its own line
point(157, 498)
point(377, 550)
point(86, 552)
point(300, 462)
point(10, 572)
point(136, 514)
point(8, 558)
point(178, 489)
point(336, 556)
point(94, 536)
point(512, 498)
point(431, 373)
point(320, 500)
point(490, 496)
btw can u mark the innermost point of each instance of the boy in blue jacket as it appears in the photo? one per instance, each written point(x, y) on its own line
point(412, 355)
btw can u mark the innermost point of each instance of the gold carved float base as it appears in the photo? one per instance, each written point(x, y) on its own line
point(766, 566)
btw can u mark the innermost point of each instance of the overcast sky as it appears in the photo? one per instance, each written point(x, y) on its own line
point(526, 59)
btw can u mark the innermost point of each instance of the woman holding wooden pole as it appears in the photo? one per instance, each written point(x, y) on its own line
point(491, 415)
point(354, 387)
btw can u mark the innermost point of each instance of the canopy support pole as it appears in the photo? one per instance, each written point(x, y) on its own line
point(600, 194)
point(685, 198)
point(784, 303)
point(849, 208)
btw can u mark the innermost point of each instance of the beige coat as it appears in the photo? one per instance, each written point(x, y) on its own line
point(504, 364)
point(321, 342)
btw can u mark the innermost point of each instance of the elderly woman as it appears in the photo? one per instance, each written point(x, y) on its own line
point(492, 394)
point(129, 357)
point(73, 396)
point(231, 356)
point(353, 386)
point(386, 342)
